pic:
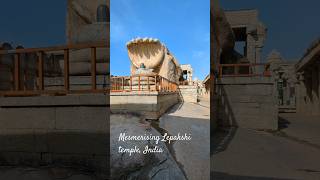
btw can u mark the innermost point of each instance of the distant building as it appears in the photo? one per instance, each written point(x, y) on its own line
point(285, 81)
point(187, 73)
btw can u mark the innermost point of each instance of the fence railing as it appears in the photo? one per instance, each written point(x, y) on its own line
point(142, 83)
point(238, 70)
point(17, 87)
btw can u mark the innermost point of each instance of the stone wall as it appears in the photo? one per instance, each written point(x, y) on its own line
point(151, 105)
point(68, 130)
point(189, 93)
point(82, 22)
point(248, 102)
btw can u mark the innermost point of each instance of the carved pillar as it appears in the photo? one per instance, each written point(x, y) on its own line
point(301, 94)
point(251, 44)
point(315, 95)
point(258, 53)
point(308, 86)
point(318, 92)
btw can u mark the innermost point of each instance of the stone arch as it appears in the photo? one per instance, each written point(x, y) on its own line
point(103, 13)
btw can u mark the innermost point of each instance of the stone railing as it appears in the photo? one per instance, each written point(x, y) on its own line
point(14, 68)
point(238, 70)
point(142, 83)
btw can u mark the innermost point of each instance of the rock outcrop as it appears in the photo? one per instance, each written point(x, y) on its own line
point(152, 166)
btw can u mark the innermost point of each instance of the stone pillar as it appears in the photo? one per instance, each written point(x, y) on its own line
point(315, 95)
point(301, 94)
point(308, 84)
point(251, 54)
point(318, 93)
point(258, 53)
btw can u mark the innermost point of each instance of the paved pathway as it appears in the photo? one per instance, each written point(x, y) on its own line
point(255, 155)
point(44, 173)
point(193, 156)
point(302, 128)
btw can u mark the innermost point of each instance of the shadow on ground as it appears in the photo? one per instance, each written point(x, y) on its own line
point(225, 176)
point(47, 154)
point(221, 139)
point(226, 122)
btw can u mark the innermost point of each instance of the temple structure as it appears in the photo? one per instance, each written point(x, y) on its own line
point(249, 34)
point(240, 77)
point(283, 72)
point(187, 73)
point(242, 91)
point(308, 87)
point(42, 87)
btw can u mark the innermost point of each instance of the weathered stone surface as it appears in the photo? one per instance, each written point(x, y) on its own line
point(27, 118)
point(45, 173)
point(84, 26)
point(55, 130)
point(44, 101)
point(189, 93)
point(85, 118)
point(190, 118)
point(247, 102)
point(82, 21)
point(153, 166)
point(151, 105)
point(154, 55)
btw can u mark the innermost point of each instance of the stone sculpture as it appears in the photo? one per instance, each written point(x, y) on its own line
point(84, 22)
point(153, 55)
point(87, 22)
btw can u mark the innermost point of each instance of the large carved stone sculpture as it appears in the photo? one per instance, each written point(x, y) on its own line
point(223, 37)
point(87, 22)
point(222, 31)
point(155, 56)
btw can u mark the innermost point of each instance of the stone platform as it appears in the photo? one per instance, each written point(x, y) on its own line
point(150, 105)
point(45, 130)
point(189, 93)
point(248, 102)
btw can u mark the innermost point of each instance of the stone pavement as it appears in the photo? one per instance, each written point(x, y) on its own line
point(301, 128)
point(192, 156)
point(238, 153)
point(44, 173)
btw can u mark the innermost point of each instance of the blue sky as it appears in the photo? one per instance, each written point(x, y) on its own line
point(182, 25)
point(292, 24)
point(33, 23)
